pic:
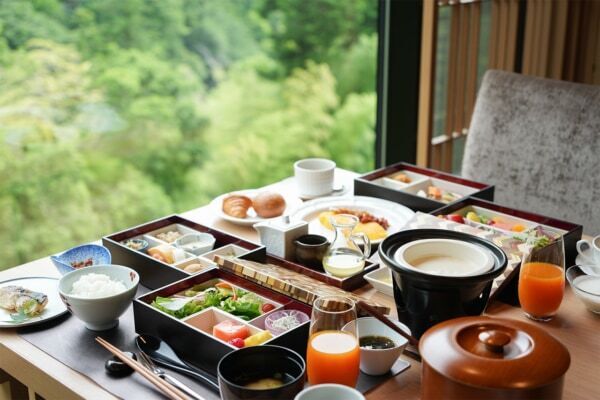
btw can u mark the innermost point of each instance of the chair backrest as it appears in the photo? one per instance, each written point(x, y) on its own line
point(538, 141)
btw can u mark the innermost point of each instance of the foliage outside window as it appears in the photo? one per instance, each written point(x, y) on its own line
point(115, 112)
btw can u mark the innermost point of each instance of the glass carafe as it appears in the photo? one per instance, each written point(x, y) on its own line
point(344, 256)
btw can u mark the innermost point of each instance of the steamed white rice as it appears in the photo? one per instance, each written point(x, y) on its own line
point(94, 285)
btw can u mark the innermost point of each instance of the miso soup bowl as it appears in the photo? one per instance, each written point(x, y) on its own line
point(424, 299)
point(242, 366)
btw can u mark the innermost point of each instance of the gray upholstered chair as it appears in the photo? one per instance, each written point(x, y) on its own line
point(538, 141)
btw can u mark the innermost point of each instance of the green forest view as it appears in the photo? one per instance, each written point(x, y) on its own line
point(115, 112)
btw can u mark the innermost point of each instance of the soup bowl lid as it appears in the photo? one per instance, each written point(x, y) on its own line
point(494, 353)
point(391, 244)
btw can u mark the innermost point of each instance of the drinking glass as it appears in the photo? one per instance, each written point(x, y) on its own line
point(333, 353)
point(542, 281)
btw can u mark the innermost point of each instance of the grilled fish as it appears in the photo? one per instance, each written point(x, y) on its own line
point(20, 300)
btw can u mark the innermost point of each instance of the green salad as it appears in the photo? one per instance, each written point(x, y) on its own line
point(238, 302)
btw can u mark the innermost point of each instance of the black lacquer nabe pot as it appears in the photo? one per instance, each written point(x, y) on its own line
point(424, 298)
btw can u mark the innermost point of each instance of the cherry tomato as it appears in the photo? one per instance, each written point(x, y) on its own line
point(267, 307)
point(455, 218)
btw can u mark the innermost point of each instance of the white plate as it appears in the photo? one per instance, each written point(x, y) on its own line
point(376, 278)
point(396, 214)
point(48, 286)
point(291, 202)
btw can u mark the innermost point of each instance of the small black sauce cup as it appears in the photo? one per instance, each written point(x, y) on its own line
point(310, 250)
point(265, 361)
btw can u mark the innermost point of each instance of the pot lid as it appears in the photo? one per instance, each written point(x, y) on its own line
point(494, 352)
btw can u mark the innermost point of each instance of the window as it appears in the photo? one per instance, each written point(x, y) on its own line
point(115, 112)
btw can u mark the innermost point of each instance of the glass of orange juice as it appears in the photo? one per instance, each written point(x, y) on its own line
point(333, 354)
point(542, 281)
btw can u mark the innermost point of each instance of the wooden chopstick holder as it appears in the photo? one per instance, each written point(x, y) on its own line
point(168, 389)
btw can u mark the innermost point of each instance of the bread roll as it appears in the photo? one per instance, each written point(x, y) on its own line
point(268, 204)
point(236, 205)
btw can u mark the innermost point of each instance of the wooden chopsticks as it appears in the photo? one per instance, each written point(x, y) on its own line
point(168, 389)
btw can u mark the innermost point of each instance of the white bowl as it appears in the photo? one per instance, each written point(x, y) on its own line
point(379, 279)
point(329, 391)
point(444, 257)
point(379, 361)
point(205, 241)
point(99, 313)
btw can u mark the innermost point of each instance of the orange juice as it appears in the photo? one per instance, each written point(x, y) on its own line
point(541, 288)
point(333, 357)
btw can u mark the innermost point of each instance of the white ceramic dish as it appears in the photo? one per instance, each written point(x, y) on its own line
point(396, 214)
point(585, 281)
point(380, 361)
point(444, 257)
point(291, 204)
point(329, 391)
point(48, 286)
point(392, 183)
point(203, 242)
point(381, 279)
point(100, 313)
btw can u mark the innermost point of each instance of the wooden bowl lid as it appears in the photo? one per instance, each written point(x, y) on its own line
point(494, 353)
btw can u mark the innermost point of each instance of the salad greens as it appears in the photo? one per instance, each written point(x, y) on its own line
point(242, 304)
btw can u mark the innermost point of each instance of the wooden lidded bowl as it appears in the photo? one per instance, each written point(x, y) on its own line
point(491, 358)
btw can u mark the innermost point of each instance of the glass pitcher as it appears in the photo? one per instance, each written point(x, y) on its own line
point(344, 257)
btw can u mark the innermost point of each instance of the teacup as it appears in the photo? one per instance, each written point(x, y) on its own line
point(314, 177)
point(590, 251)
point(310, 250)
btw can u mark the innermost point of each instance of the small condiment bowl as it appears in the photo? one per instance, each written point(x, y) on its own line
point(142, 244)
point(99, 255)
point(329, 391)
point(310, 250)
point(242, 366)
point(585, 281)
point(380, 361)
point(275, 315)
point(204, 243)
point(99, 313)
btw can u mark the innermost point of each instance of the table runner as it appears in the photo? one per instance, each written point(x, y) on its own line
point(67, 340)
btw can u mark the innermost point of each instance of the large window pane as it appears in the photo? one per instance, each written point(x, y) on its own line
point(114, 112)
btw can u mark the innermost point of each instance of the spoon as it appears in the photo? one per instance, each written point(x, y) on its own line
point(161, 353)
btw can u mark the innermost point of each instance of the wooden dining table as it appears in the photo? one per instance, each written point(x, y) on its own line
point(39, 373)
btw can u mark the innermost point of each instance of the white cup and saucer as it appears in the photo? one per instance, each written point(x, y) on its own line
point(315, 178)
point(589, 251)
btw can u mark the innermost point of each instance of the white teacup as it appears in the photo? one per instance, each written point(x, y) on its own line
point(314, 177)
point(329, 391)
point(590, 251)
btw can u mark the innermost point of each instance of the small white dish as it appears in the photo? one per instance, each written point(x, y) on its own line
point(329, 391)
point(580, 260)
point(196, 243)
point(381, 279)
point(444, 257)
point(99, 313)
point(379, 361)
point(585, 281)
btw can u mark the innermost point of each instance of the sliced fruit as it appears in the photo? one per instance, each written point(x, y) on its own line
point(229, 330)
point(237, 342)
point(257, 338)
point(472, 216)
point(455, 218)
